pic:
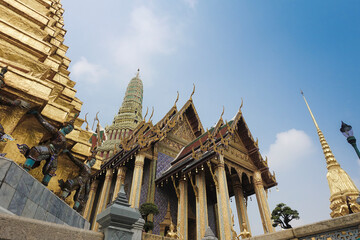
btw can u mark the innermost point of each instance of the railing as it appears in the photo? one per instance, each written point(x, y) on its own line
point(344, 228)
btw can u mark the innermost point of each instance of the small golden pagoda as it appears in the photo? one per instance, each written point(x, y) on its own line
point(343, 191)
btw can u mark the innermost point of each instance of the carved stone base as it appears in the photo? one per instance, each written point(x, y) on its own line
point(23, 195)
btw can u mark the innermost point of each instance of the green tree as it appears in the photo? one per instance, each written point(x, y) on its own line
point(282, 215)
point(145, 210)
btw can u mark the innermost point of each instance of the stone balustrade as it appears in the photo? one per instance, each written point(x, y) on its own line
point(346, 227)
point(14, 227)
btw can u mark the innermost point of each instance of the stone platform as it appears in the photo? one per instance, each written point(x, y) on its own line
point(23, 195)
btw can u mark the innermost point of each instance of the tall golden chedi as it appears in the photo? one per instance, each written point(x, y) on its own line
point(31, 45)
point(342, 188)
point(128, 117)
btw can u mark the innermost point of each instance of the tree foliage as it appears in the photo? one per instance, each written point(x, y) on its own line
point(282, 215)
point(145, 210)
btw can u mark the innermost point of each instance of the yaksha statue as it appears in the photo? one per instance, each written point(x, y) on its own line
point(7, 101)
point(81, 183)
point(48, 151)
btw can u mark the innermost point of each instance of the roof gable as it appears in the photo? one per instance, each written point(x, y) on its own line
point(222, 139)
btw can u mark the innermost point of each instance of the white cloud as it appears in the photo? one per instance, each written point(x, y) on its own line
point(146, 36)
point(290, 148)
point(83, 70)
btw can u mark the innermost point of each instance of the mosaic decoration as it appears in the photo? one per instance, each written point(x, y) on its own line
point(344, 234)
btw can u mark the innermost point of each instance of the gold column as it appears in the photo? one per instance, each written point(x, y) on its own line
point(222, 195)
point(103, 197)
point(137, 181)
point(182, 220)
point(201, 206)
point(240, 204)
point(90, 201)
point(119, 181)
point(262, 203)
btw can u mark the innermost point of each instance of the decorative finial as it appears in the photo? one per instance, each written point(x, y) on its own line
point(87, 124)
point(152, 113)
point(147, 110)
point(302, 93)
point(138, 72)
point(241, 105)
point(192, 92)
point(177, 98)
point(96, 118)
point(222, 112)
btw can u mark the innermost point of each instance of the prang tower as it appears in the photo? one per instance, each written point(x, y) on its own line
point(128, 117)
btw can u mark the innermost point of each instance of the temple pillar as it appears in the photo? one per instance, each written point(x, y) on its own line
point(120, 179)
point(201, 206)
point(182, 220)
point(262, 203)
point(137, 181)
point(223, 201)
point(240, 204)
point(103, 197)
point(90, 201)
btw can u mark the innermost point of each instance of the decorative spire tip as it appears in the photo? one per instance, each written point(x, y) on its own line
point(177, 98)
point(192, 92)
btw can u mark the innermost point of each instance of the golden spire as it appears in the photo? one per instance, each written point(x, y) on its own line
point(330, 159)
point(340, 183)
point(312, 116)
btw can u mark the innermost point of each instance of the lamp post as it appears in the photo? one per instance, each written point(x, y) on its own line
point(347, 131)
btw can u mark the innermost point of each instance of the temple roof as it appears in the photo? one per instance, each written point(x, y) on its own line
point(215, 141)
point(146, 134)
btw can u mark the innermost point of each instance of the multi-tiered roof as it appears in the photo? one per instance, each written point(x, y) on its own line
point(128, 117)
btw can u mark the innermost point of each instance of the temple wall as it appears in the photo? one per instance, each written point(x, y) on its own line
point(161, 194)
point(161, 200)
point(163, 163)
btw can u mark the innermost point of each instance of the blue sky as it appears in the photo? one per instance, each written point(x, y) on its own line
point(261, 51)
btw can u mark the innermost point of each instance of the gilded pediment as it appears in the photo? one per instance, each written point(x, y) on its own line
point(183, 132)
point(237, 153)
